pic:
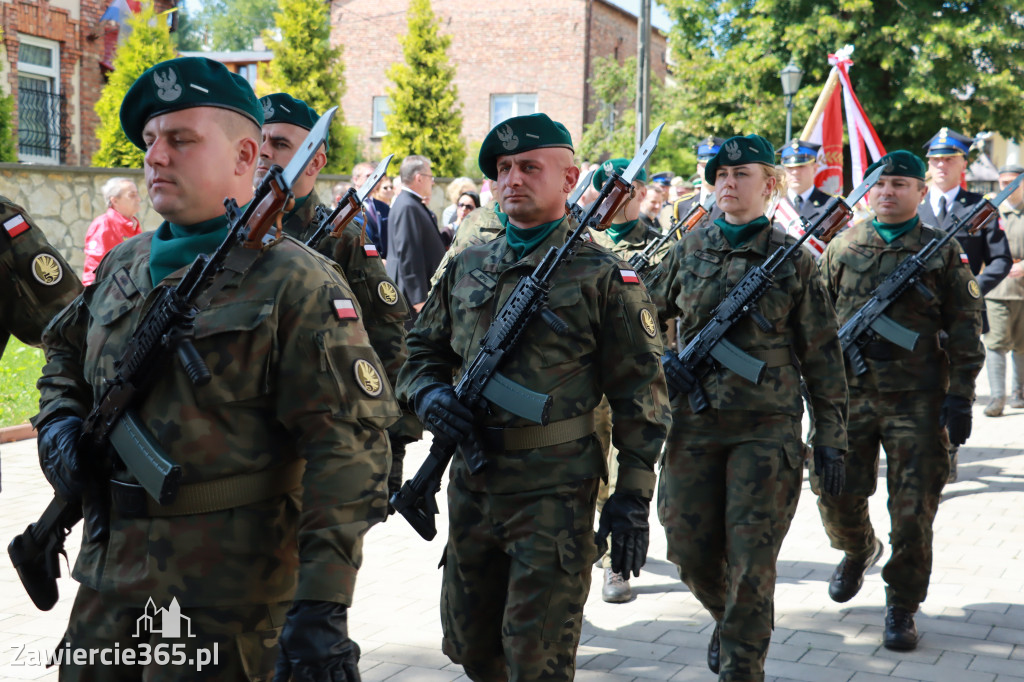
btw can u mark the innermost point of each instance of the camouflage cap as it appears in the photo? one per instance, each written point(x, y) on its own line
point(737, 151)
point(184, 83)
point(283, 108)
point(614, 166)
point(901, 164)
point(521, 134)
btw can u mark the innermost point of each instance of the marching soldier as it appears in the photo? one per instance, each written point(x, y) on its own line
point(283, 451)
point(521, 533)
point(384, 309)
point(912, 403)
point(800, 161)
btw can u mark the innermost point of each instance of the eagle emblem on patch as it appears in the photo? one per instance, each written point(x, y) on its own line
point(508, 137)
point(732, 151)
point(973, 289)
point(167, 87)
point(47, 269)
point(387, 292)
point(368, 378)
point(647, 322)
point(268, 109)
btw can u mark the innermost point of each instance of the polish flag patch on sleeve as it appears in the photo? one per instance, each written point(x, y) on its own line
point(964, 259)
point(629, 276)
point(16, 225)
point(345, 309)
point(371, 251)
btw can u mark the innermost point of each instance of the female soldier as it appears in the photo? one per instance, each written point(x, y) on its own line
point(731, 474)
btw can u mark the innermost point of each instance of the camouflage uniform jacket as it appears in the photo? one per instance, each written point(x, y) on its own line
point(293, 378)
point(634, 241)
point(479, 227)
point(698, 273)
point(37, 281)
point(609, 350)
point(384, 309)
point(855, 263)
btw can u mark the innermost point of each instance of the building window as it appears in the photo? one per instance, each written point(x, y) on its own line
point(248, 72)
point(507, 106)
point(41, 106)
point(381, 108)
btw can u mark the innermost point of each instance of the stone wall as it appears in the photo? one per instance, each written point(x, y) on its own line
point(63, 200)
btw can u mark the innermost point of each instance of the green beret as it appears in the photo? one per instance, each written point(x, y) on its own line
point(614, 166)
point(737, 151)
point(521, 134)
point(901, 163)
point(184, 83)
point(283, 108)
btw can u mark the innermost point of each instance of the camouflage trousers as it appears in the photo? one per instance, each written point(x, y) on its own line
point(231, 642)
point(603, 417)
point(906, 424)
point(516, 576)
point(727, 494)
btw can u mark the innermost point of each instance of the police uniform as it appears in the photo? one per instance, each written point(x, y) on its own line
point(810, 204)
point(296, 408)
point(731, 475)
point(706, 150)
point(897, 402)
point(521, 536)
point(384, 309)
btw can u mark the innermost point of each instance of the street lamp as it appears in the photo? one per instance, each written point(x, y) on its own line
point(790, 77)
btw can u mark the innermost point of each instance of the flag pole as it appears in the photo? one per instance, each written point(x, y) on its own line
point(819, 105)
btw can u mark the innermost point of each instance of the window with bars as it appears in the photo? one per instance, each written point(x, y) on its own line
point(42, 108)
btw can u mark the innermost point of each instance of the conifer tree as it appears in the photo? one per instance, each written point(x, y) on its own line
point(148, 43)
point(306, 67)
point(426, 117)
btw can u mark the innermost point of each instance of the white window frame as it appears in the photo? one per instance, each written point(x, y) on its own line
point(379, 106)
point(41, 72)
point(518, 100)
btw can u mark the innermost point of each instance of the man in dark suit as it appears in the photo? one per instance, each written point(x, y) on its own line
point(946, 201)
point(376, 211)
point(800, 159)
point(414, 244)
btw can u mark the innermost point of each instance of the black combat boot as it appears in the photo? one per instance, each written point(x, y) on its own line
point(715, 650)
point(900, 630)
point(848, 577)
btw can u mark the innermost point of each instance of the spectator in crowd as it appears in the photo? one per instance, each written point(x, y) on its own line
point(339, 190)
point(385, 190)
point(112, 227)
point(376, 211)
point(465, 204)
point(454, 191)
point(651, 206)
point(486, 194)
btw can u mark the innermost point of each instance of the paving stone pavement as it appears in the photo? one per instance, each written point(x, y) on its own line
point(972, 624)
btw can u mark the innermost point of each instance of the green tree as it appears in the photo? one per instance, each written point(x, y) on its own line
point(918, 64)
point(148, 43)
point(190, 33)
point(426, 117)
point(308, 68)
point(234, 24)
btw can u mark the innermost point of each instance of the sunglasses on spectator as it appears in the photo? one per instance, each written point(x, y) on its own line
point(469, 206)
point(386, 188)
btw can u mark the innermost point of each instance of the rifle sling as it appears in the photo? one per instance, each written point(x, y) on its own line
point(499, 439)
point(131, 501)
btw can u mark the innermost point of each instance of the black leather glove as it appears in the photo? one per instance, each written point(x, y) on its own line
point(830, 466)
point(395, 475)
point(315, 646)
point(955, 415)
point(680, 380)
point(442, 413)
point(58, 455)
point(625, 517)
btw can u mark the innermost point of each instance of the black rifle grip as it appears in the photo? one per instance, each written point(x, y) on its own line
point(698, 400)
point(557, 325)
point(193, 364)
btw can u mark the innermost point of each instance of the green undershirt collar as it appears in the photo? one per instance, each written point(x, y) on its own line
point(175, 246)
point(738, 235)
point(620, 230)
point(893, 231)
point(524, 241)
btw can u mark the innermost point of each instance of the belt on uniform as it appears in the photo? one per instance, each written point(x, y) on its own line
point(131, 501)
point(880, 349)
point(497, 438)
point(774, 357)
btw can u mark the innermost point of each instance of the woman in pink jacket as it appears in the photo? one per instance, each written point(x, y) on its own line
point(117, 224)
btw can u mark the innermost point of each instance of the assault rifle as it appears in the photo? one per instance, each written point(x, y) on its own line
point(168, 325)
point(871, 319)
point(482, 381)
point(641, 262)
point(710, 342)
point(348, 207)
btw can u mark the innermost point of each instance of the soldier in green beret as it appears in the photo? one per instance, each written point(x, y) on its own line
point(521, 543)
point(283, 452)
point(913, 403)
point(732, 473)
point(286, 121)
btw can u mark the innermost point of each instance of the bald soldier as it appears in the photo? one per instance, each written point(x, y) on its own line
point(521, 533)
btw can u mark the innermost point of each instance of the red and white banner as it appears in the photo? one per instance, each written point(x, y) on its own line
point(786, 215)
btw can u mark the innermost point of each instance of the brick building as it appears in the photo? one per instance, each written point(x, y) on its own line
point(496, 75)
point(53, 61)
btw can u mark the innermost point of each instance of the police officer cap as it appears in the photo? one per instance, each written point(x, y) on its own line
point(614, 166)
point(948, 143)
point(663, 178)
point(184, 83)
point(708, 147)
point(901, 163)
point(799, 153)
point(1012, 168)
point(283, 108)
point(521, 134)
point(737, 151)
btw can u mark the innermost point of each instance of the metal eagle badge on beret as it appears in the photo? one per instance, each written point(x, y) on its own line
point(47, 269)
point(732, 150)
point(647, 323)
point(388, 293)
point(167, 87)
point(268, 108)
point(368, 378)
point(508, 137)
